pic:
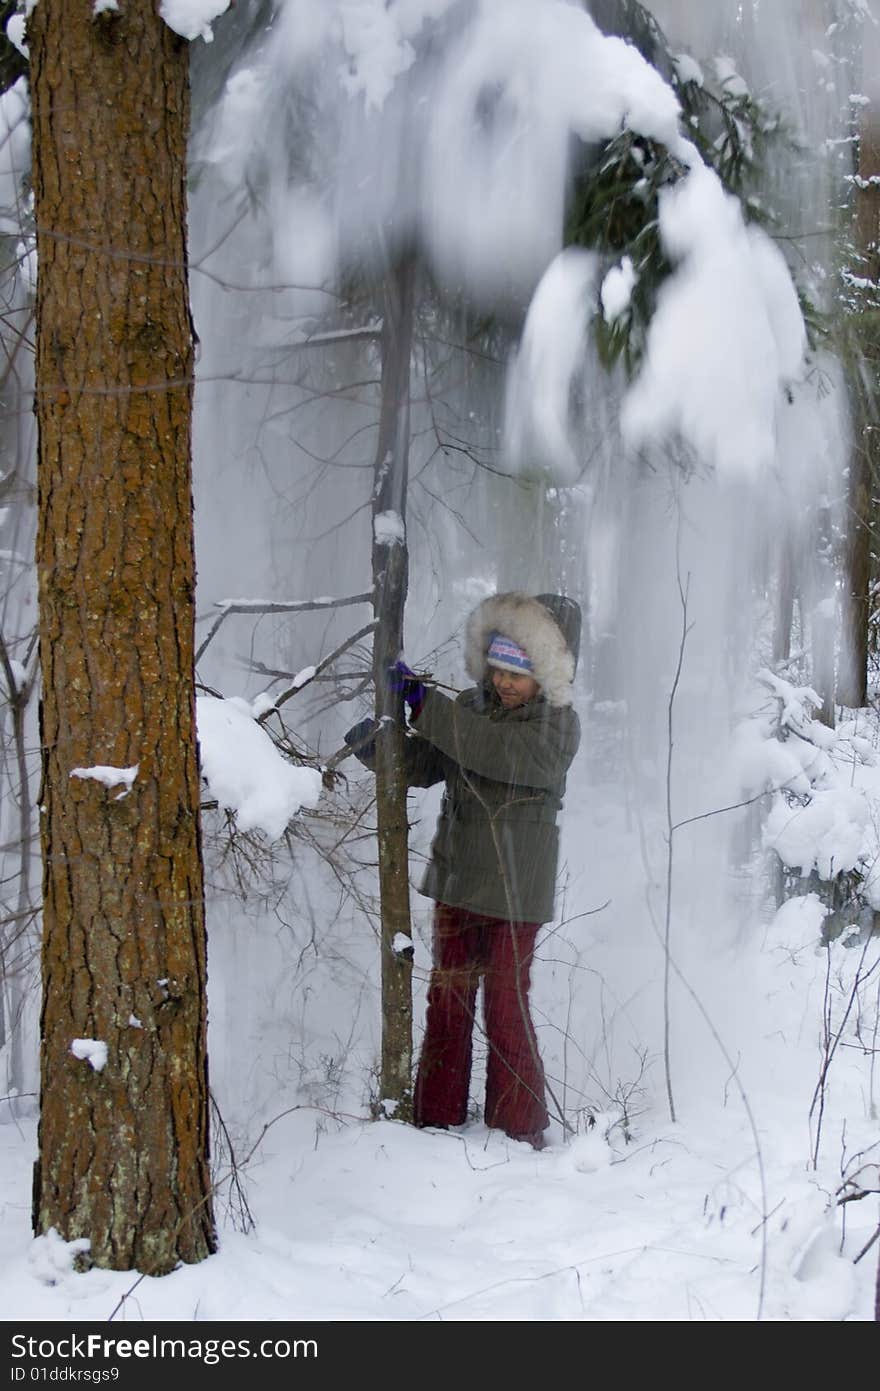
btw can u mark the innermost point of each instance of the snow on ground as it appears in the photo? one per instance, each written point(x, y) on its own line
point(356, 1219)
point(376, 1221)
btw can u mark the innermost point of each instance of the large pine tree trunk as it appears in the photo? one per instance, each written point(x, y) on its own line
point(122, 1149)
point(390, 574)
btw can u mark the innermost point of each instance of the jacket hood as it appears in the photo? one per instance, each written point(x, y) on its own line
point(548, 626)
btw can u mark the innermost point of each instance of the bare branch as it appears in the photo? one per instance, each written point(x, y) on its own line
point(370, 333)
point(228, 606)
point(322, 666)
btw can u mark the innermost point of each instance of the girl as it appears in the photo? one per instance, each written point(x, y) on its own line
point(503, 748)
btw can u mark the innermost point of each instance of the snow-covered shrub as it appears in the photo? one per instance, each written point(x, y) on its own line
point(823, 786)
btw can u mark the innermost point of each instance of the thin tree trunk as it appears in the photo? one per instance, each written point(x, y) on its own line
point(123, 1146)
point(864, 461)
point(864, 466)
point(13, 946)
point(821, 609)
point(784, 604)
point(390, 572)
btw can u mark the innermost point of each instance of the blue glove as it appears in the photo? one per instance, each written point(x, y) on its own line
point(403, 681)
point(361, 739)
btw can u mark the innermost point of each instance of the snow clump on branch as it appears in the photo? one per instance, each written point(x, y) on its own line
point(245, 771)
point(192, 19)
point(824, 786)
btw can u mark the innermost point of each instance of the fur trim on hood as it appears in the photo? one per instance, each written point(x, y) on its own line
point(527, 620)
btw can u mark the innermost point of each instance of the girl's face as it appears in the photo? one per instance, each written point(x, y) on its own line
point(513, 687)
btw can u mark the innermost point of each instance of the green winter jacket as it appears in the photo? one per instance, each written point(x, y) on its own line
point(496, 847)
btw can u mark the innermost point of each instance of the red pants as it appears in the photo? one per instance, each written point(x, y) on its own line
point(466, 946)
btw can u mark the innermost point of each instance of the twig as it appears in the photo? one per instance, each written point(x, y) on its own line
point(753, 1127)
point(867, 1246)
point(246, 1217)
point(124, 1296)
point(670, 829)
point(322, 666)
point(832, 1041)
point(370, 332)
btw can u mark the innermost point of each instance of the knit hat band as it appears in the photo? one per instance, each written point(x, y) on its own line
point(504, 653)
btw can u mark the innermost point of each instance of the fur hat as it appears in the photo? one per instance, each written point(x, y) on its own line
point(547, 626)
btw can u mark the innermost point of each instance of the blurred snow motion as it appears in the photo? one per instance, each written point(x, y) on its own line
point(546, 367)
point(459, 142)
point(727, 336)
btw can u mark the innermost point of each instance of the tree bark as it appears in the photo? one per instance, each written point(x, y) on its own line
point(123, 1148)
point(390, 577)
point(785, 594)
point(864, 467)
point(819, 595)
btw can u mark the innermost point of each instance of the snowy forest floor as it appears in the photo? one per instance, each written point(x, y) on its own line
point(376, 1221)
point(733, 1212)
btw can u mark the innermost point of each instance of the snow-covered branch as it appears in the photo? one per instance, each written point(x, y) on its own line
point(228, 606)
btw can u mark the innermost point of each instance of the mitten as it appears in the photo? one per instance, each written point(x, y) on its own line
point(361, 739)
point(403, 681)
